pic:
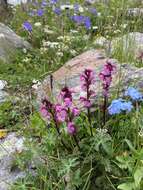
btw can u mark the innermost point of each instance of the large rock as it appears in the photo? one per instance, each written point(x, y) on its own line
point(9, 42)
point(9, 146)
point(69, 75)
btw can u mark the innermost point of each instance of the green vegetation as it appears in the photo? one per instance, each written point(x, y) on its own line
point(104, 153)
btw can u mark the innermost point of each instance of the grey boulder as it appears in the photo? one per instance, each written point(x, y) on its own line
point(9, 42)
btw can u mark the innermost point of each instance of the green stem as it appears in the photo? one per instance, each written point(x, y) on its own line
point(76, 141)
point(89, 119)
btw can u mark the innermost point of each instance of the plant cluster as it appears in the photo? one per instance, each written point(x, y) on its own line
point(84, 149)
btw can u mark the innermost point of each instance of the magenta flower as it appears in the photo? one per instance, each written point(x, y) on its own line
point(75, 111)
point(71, 128)
point(66, 96)
point(106, 77)
point(87, 78)
point(86, 102)
point(60, 113)
point(68, 102)
point(46, 108)
point(44, 112)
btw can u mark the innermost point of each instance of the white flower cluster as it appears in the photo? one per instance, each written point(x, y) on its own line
point(140, 133)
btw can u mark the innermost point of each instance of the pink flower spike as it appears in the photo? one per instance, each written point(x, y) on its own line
point(75, 112)
point(86, 102)
point(71, 128)
point(44, 112)
point(60, 113)
point(106, 76)
point(68, 102)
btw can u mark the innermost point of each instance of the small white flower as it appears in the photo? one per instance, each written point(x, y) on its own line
point(24, 50)
point(124, 26)
point(64, 7)
point(73, 52)
point(95, 27)
point(73, 31)
point(26, 60)
point(81, 10)
point(140, 133)
point(36, 84)
point(60, 54)
point(37, 24)
point(99, 14)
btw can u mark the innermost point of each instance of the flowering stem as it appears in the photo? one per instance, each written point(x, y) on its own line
point(59, 133)
point(88, 112)
point(89, 119)
point(104, 110)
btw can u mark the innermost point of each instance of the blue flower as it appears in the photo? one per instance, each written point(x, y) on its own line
point(119, 105)
point(76, 7)
point(40, 12)
point(133, 93)
point(93, 11)
point(78, 19)
point(27, 26)
point(44, 4)
point(53, 1)
point(87, 23)
point(57, 11)
point(127, 106)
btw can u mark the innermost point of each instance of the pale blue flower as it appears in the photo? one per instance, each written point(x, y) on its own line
point(119, 105)
point(133, 93)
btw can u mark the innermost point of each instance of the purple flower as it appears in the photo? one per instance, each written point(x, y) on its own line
point(27, 26)
point(71, 128)
point(76, 7)
point(61, 113)
point(106, 76)
point(44, 112)
point(87, 79)
point(44, 4)
point(46, 108)
point(79, 19)
point(75, 111)
point(40, 12)
point(87, 23)
point(57, 11)
point(53, 1)
point(86, 102)
point(93, 11)
point(66, 96)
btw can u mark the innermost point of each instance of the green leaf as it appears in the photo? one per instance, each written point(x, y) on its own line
point(126, 186)
point(130, 145)
point(138, 175)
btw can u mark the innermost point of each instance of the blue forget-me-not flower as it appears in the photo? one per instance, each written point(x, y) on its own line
point(119, 105)
point(133, 93)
